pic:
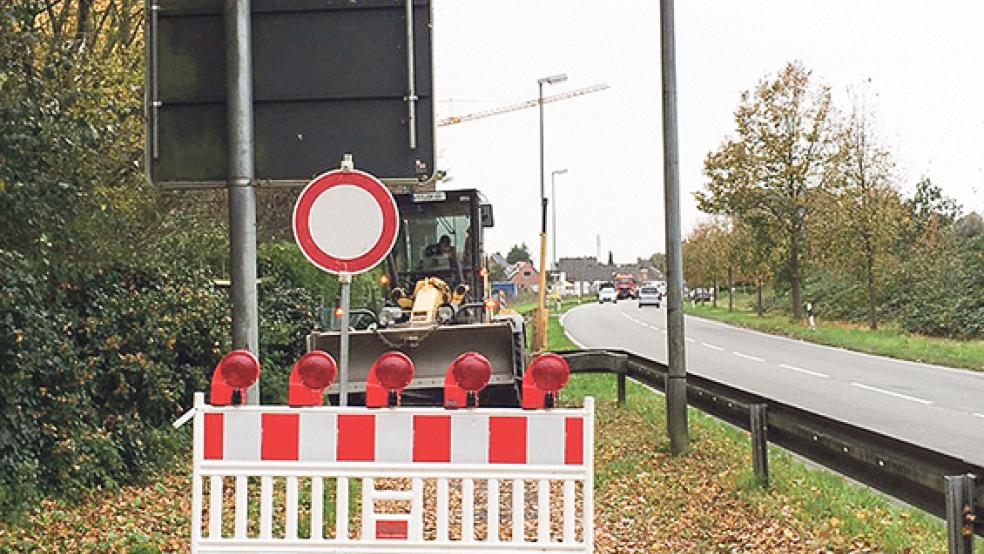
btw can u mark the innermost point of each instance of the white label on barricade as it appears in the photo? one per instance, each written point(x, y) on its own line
point(275, 479)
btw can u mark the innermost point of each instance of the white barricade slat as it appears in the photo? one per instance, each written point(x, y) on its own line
point(241, 501)
point(518, 509)
point(467, 510)
point(417, 509)
point(317, 507)
point(341, 508)
point(368, 510)
point(290, 527)
point(493, 517)
point(266, 507)
point(442, 509)
point(543, 511)
point(570, 511)
point(215, 508)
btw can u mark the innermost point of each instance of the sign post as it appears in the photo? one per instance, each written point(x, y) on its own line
point(345, 279)
point(345, 223)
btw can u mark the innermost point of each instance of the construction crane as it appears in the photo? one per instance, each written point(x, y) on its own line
point(455, 119)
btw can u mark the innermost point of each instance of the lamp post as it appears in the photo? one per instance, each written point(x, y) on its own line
point(553, 208)
point(542, 316)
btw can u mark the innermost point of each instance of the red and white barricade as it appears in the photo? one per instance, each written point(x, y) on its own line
point(313, 479)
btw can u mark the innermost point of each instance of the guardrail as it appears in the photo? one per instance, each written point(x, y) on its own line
point(938, 483)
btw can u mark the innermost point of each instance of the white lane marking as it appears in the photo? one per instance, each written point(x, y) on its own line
point(713, 346)
point(892, 393)
point(748, 357)
point(690, 339)
point(806, 371)
point(979, 415)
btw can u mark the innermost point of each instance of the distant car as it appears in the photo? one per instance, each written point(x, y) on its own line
point(700, 295)
point(650, 296)
point(607, 293)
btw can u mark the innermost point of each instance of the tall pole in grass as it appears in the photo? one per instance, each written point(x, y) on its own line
point(676, 382)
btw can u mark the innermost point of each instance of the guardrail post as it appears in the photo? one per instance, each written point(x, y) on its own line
point(621, 389)
point(959, 509)
point(759, 427)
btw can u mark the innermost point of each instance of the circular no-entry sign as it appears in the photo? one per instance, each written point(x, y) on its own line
point(345, 221)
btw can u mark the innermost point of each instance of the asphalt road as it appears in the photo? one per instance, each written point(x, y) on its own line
point(937, 407)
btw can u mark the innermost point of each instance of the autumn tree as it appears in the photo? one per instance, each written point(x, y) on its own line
point(863, 213)
point(774, 163)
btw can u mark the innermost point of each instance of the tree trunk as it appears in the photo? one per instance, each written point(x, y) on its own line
point(714, 294)
point(872, 303)
point(731, 289)
point(758, 298)
point(794, 278)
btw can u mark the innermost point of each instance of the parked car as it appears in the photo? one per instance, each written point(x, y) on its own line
point(650, 296)
point(607, 293)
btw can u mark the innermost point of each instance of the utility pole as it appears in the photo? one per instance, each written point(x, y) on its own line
point(242, 195)
point(543, 317)
point(676, 382)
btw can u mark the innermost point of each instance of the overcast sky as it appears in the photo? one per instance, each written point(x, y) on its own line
point(922, 62)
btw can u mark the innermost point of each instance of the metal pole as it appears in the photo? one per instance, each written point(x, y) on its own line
point(542, 317)
point(759, 427)
point(242, 195)
point(676, 385)
point(959, 505)
point(343, 348)
point(553, 217)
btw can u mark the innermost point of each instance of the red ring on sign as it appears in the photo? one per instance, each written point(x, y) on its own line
point(302, 226)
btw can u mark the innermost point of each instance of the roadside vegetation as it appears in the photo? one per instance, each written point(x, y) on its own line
point(809, 208)
point(888, 340)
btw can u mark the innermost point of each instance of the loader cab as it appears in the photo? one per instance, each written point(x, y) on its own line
point(440, 236)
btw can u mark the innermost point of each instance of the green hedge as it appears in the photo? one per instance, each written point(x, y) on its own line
point(96, 365)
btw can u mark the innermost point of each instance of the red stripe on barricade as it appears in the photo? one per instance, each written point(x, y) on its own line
point(214, 431)
point(392, 530)
point(432, 438)
point(280, 437)
point(574, 441)
point(356, 438)
point(507, 440)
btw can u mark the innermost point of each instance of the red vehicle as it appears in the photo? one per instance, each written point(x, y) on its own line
point(626, 286)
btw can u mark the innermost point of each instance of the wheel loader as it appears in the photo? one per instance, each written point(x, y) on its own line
point(438, 305)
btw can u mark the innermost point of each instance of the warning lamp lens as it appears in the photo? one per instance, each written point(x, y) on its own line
point(472, 371)
point(317, 370)
point(384, 280)
point(550, 373)
point(394, 371)
point(239, 369)
point(483, 272)
point(491, 304)
point(339, 313)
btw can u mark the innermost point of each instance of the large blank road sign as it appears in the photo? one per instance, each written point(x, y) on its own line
point(330, 77)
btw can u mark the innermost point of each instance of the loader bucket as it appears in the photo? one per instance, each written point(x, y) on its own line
point(432, 350)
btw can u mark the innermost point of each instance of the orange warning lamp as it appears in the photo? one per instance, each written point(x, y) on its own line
point(467, 376)
point(544, 379)
point(234, 373)
point(389, 376)
point(312, 374)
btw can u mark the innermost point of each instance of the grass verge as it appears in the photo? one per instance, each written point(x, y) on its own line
point(887, 341)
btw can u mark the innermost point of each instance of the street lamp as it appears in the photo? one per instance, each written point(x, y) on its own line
point(542, 313)
point(553, 207)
